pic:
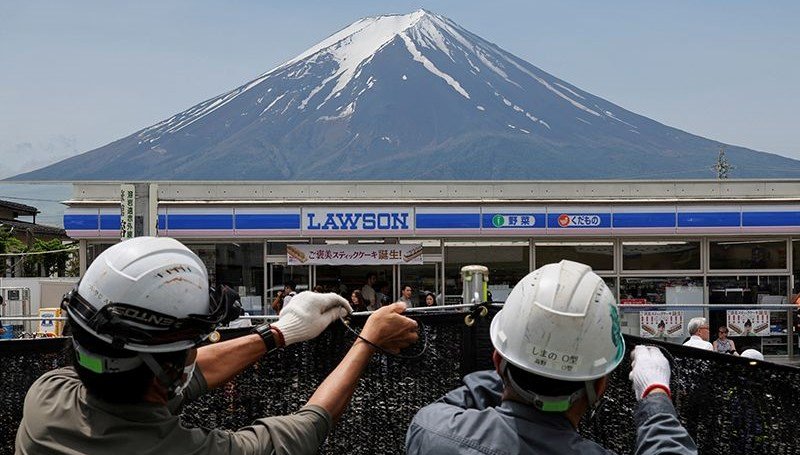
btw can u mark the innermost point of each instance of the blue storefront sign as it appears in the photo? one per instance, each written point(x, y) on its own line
point(354, 219)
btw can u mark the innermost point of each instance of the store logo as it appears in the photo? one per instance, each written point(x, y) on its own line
point(358, 221)
point(565, 220)
point(516, 220)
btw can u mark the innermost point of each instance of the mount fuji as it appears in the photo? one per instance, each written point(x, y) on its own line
point(408, 97)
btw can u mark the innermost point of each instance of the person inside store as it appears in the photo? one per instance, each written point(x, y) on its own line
point(724, 344)
point(405, 295)
point(368, 290)
point(137, 317)
point(282, 298)
point(556, 341)
point(430, 299)
point(698, 334)
point(382, 296)
point(357, 301)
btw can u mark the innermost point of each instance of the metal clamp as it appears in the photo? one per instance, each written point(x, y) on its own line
point(480, 310)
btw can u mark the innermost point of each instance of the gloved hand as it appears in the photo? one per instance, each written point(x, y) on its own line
point(307, 315)
point(649, 370)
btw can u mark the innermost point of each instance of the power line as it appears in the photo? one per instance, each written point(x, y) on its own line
point(32, 253)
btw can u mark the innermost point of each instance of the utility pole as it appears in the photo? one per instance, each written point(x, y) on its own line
point(722, 167)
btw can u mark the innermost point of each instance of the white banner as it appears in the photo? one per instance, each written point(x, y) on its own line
point(654, 324)
point(377, 254)
point(748, 323)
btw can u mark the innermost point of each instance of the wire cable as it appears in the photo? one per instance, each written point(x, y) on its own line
point(421, 330)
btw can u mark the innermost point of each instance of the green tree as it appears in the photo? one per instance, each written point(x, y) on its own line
point(48, 264)
point(8, 244)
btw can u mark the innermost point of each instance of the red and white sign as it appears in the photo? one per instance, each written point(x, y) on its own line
point(377, 254)
point(743, 323)
point(633, 301)
point(654, 324)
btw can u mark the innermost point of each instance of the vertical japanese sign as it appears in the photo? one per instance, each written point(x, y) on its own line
point(748, 322)
point(127, 204)
point(660, 323)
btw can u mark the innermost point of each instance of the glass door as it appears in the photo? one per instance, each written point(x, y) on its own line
point(424, 280)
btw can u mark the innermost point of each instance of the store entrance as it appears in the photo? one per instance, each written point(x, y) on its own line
point(344, 280)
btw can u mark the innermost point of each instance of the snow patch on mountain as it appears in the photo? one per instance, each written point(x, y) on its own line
point(431, 67)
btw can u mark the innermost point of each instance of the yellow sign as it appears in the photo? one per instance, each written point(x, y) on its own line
point(48, 325)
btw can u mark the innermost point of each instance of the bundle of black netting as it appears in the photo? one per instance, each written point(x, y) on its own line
point(728, 404)
point(21, 363)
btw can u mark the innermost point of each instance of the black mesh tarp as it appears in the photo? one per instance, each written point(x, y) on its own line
point(728, 405)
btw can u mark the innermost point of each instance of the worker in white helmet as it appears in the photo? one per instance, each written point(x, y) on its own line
point(138, 316)
point(752, 354)
point(556, 340)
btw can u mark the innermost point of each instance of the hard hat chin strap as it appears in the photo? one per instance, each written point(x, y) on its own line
point(591, 395)
point(100, 364)
point(548, 403)
point(174, 386)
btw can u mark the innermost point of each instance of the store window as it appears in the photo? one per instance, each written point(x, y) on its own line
point(345, 279)
point(796, 270)
point(597, 255)
point(750, 254)
point(611, 282)
point(751, 326)
point(423, 280)
point(647, 297)
point(507, 261)
point(661, 291)
point(667, 255)
point(238, 265)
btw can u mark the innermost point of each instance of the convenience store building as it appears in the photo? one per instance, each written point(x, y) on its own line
point(670, 250)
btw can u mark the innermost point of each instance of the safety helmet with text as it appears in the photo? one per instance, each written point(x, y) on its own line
point(561, 322)
point(147, 295)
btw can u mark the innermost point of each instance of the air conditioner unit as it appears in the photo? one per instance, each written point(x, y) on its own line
point(17, 294)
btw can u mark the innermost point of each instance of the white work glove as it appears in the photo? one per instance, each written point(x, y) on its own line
point(308, 314)
point(649, 370)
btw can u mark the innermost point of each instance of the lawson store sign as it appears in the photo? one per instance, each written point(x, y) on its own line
point(355, 220)
point(382, 221)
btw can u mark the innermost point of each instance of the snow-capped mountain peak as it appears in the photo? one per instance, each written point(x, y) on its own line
point(402, 96)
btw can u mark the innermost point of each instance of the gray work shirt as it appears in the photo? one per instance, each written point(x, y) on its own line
point(473, 420)
point(59, 417)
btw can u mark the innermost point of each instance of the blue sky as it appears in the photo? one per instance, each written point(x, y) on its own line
point(76, 75)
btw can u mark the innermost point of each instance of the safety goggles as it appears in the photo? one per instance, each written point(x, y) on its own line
point(127, 324)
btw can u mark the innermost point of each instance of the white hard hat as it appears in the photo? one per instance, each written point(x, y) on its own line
point(752, 354)
point(561, 322)
point(145, 295)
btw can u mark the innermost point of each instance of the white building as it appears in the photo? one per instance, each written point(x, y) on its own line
point(706, 246)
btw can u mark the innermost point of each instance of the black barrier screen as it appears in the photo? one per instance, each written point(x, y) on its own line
point(728, 405)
